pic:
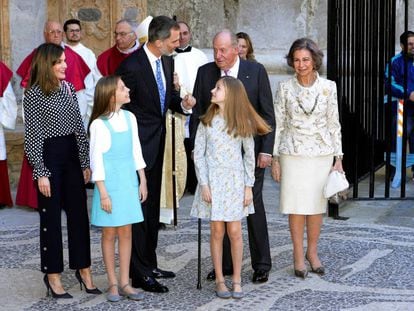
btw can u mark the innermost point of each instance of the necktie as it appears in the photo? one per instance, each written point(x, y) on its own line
point(226, 72)
point(160, 84)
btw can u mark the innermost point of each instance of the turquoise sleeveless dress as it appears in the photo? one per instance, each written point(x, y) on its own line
point(121, 182)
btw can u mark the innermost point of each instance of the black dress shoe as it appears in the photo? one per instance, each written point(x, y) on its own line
point(260, 276)
point(162, 274)
point(211, 276)
point(149, 284)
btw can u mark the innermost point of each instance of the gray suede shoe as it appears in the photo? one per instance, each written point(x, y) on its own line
point(132, 296)
point(237, 295)
point(113, 297)
point(225, 294)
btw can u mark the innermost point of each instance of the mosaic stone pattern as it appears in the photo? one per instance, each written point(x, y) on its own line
point(369, 267)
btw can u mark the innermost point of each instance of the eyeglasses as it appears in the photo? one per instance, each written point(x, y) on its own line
point(55, 32)
point(73, 30)
point(122, 34)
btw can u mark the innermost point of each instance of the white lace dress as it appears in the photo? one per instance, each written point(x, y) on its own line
point(221, 164)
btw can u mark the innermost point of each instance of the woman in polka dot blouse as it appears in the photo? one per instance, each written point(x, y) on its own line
point(57, 148)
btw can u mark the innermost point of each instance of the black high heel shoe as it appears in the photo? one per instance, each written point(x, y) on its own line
point(50, 289)
point(301, 273)
point(94, 291)
point(319, 270)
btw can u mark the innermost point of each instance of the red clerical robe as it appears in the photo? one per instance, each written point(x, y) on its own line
point(5, 195)
point(76, 71)
point(5, 76)
point(109, 61)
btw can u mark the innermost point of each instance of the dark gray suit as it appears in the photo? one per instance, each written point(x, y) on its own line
point(137, 74)
point(256, 82)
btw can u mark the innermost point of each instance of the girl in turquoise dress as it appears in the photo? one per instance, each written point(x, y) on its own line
point(224, 162)
point(116, 157)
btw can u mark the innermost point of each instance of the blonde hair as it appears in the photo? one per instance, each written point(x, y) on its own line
point(240, 116)
point(105, 91)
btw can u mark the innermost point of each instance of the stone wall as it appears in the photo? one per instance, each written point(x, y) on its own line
point(272, 24)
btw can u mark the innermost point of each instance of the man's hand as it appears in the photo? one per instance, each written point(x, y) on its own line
point(264, 160)
point(189, 102)
point(176, 81)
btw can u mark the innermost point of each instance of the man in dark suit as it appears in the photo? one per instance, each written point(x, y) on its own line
point(148, 73)
point(255, 80)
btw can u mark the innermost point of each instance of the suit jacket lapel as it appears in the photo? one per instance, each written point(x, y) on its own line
point(242, 75)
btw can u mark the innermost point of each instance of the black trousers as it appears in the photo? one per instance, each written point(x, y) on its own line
point(145, 234)
point(257, 230)
point(60, 156)
point(191, 180)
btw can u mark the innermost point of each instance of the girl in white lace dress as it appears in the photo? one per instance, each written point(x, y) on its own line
point(224, 162)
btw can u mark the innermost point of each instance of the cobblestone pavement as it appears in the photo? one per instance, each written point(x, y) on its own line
point(369, 261)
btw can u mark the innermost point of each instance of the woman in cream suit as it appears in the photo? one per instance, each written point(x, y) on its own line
point(307, 147)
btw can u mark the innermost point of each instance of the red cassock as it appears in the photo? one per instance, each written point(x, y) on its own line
point(76, 72)
point(5, 195)
point(109, 61)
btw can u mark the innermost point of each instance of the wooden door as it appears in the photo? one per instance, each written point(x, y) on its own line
point(98, 17)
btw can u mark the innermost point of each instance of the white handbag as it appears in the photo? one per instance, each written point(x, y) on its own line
point(335, 183)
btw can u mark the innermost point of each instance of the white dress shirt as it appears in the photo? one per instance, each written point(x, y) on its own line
point(100, 142)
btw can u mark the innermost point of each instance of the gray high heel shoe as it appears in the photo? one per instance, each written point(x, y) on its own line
point(112, 297)
point(132, 296)
point(237, 295)
point(225, 294)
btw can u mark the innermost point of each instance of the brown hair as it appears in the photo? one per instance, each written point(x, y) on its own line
point(41, 73)
point(240, 116)
point(250, 50)
point(305, 44)
point(105, 91)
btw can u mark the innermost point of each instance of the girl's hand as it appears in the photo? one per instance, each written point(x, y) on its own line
point(143, 191)
point(338, 166)
point(86, 175)
point(248, 196)
point(44, 186)
point(106, 204)
point(276, 173)
point(176, 81)
point(206, 193)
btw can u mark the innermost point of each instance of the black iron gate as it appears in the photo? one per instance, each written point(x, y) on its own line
point(361, 42)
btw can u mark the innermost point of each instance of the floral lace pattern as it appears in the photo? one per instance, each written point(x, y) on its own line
point(315, 133)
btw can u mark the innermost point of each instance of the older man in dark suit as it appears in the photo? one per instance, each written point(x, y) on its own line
point(148, 73)
point(255, 80)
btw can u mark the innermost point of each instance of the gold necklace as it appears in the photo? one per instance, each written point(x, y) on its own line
point(308, 113)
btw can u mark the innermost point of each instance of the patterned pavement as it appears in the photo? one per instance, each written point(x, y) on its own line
point(369, 261)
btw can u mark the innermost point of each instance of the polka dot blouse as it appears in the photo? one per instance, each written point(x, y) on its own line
point(52, 116)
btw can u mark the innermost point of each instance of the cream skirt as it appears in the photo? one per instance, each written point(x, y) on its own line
point(301, 186)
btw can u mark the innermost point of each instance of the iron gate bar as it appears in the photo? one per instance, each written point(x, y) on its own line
point(404, 139)
point(361, 42)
